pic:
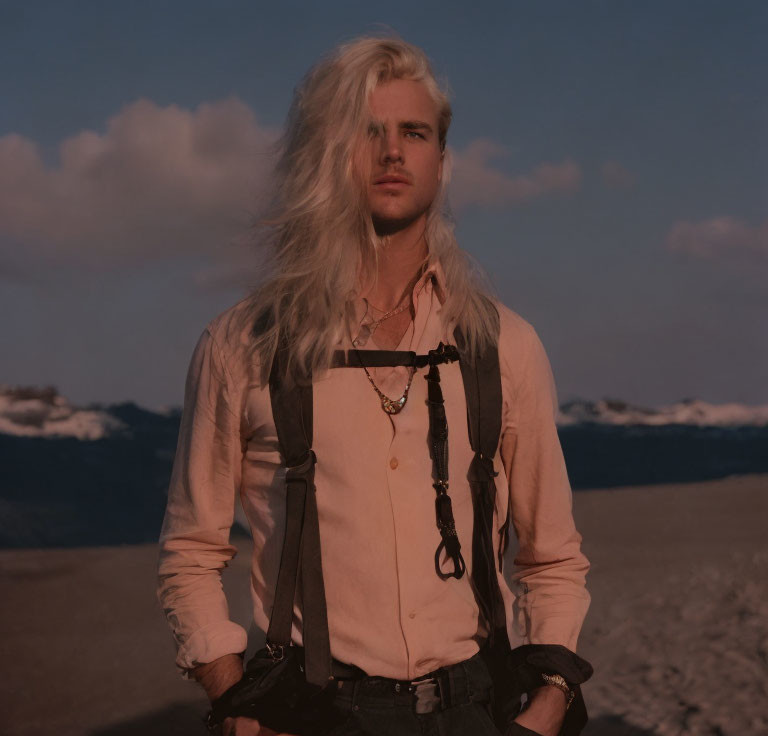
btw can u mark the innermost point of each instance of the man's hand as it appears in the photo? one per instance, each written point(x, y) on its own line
point(545, 712)
point(247, 727)
point(218, 676)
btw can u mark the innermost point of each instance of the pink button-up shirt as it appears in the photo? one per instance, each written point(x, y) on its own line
point(388, 612)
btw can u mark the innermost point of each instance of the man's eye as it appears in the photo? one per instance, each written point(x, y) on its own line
point(415, 134)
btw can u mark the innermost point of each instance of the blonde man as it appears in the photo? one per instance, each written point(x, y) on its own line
point(364, 259)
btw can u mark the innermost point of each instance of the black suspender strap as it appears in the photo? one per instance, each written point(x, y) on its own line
point(390, 358)
point(300, 563)
point(513, 672)
point(482, 388)
point(438, 449)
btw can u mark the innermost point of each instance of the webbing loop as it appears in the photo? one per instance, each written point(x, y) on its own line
point(438, 447)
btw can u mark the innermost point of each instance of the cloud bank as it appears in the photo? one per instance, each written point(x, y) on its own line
point(476, 182)
point(163, 182)
point(159, 181)
point(720, 238)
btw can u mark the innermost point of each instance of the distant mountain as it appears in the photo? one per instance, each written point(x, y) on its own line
point(29, 411)
point(691, 412)
point(98, 475)
point(81, 476)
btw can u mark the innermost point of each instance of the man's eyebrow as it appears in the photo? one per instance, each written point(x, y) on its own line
point(416, 125)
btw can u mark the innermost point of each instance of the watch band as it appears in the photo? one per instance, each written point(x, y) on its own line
point(559, 682)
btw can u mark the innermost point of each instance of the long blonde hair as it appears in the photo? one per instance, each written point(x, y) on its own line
point(319, 233)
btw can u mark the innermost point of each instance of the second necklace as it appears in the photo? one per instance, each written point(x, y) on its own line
point(388, 405)
point(391, 406)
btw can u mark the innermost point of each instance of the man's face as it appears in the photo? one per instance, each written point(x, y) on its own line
point(402, 160)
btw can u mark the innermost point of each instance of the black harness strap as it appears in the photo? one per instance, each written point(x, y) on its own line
point(300, 565)
point(438, 449)
point(300, 562)
point(482, 388)
point(391, 358)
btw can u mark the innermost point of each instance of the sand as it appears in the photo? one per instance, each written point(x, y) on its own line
point(678, 627)
point(677, 631)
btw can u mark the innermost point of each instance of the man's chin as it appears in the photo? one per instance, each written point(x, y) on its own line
point(391, 225)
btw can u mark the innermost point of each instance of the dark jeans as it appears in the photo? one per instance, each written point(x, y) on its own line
point(374, 706)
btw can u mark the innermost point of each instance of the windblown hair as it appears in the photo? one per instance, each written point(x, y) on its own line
point(322, 245)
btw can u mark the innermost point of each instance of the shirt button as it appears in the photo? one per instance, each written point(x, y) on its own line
point(411, 615)
point(393, 463)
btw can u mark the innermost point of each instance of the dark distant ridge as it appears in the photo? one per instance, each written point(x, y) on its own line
point(107, 483)
point(32, 411)
point(689, 412)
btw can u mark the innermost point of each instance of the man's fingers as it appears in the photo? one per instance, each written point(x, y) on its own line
point(247, 727)
point(243, 727)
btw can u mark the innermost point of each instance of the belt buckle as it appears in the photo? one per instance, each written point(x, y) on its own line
point(427, 696)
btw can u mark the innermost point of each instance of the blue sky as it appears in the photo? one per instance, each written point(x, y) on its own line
point(611, 164)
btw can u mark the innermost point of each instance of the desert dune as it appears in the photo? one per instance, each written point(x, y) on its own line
point(677, 630)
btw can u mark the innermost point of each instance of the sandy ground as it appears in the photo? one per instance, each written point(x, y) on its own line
point(678, 629)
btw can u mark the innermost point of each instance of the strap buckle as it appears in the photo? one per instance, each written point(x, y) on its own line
point(427, 695)
point(297, 472)
point(211, 724)
point(276, 651)
point(442, 354)
point(486, 463)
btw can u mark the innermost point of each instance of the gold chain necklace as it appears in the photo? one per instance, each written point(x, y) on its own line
point(391, 406)
point(374, 324)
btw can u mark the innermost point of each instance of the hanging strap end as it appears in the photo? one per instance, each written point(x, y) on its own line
point(293, 472)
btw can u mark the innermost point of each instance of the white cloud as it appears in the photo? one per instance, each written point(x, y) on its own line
point(166, 182)
point(161, 181)
point(475, 182)
point(719, 238)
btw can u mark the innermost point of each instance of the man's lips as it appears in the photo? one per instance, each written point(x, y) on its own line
point(391, 179)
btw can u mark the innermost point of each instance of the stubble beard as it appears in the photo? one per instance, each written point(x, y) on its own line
point(391, 225)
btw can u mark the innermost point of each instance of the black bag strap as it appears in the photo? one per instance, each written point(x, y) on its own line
point(524, 664)
point(292, 410)
point(300, 563)
point(438, 449)
point(482, 388)
point(390, 358)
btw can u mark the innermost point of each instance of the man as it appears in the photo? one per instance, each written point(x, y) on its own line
point(365, 259)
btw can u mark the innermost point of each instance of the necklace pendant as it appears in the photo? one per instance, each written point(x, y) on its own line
point(393, 406)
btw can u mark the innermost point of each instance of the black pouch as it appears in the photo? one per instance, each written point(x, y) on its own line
point(515, 729)
point(518, 671)
point(275, 692)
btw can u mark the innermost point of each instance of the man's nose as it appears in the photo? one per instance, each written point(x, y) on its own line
point(391, 148)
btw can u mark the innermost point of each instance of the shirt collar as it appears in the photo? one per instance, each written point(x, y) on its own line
point(432, 278)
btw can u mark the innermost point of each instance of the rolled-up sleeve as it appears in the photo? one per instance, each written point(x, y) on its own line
point(549, 571)
point(194, 541)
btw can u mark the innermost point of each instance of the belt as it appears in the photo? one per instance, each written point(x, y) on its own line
point(437, 690)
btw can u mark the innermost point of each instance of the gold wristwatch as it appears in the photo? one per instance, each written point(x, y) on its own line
point(559, 682)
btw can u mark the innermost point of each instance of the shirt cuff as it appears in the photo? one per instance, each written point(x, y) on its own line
point(209, 643)
point(529, 661)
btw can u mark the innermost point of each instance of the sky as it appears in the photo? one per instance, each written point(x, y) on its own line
point(610, 174)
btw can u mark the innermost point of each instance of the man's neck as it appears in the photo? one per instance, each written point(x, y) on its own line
point(401, 259)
